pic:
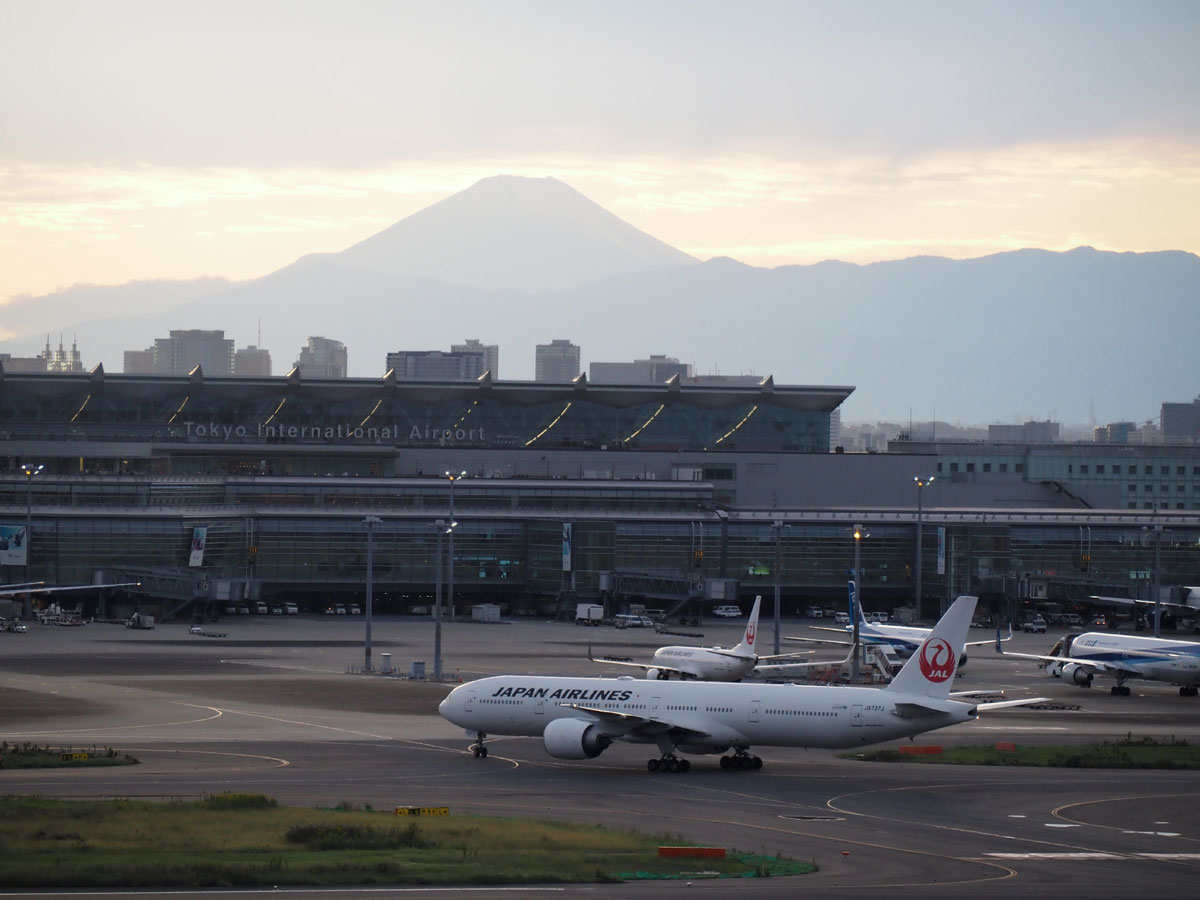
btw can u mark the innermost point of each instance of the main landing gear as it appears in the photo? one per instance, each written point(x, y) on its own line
point(1120, 690)
point(478, 748)
point(1189, 691)
point(741, 760)
point(669, 762)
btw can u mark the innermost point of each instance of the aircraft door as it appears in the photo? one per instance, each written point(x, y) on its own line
point(469, 705)
point(754, 704)
point(539, 706)
point(856, 715)
point(654, 701)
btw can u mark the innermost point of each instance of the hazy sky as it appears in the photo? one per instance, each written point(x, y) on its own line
point(177, 139)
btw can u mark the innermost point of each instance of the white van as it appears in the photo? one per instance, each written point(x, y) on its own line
point(728, 612)
point(625, 620)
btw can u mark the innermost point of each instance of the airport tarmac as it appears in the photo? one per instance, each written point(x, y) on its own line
point(278, 706)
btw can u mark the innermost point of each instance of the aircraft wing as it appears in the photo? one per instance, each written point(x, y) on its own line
point(36, 589)
point(645, 667)
point(808, 640)
point(1143, 605)
point(997, 640)
point(788, 667)
point(624, 723)
point(787, 655)
point(1097, 665)
point(1001, 704)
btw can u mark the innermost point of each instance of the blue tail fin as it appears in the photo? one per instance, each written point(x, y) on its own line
point(856, 610)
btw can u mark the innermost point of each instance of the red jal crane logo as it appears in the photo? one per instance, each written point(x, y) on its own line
point(750, 629)
point(937, 660)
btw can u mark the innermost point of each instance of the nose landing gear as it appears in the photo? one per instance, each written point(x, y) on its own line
point(478, 748)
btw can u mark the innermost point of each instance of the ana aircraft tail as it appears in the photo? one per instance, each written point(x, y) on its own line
point(856, 610)
point(930, 671)
point(750, 638)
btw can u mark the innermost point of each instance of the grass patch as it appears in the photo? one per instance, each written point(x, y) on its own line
point(248, 840)
point(34, 756)
point(1130, 753)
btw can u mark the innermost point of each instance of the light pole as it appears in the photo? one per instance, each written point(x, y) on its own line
point(30, 469)
point(920, 481)
point(777, 527)
point(1158, 530)
point(453, 476)
point(442, 528)
point(371, 522)
point(856, 605)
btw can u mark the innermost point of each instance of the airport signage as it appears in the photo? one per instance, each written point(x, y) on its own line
point(414, 435)
point(13, 545)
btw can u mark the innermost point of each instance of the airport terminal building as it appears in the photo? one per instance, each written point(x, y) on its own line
point(228, 491)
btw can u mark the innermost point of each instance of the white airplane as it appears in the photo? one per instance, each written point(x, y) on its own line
point(1080, 657)
point(577, 718)
point(1188, 604)
point(903, 639)
point(707, 663)
point(39, 587)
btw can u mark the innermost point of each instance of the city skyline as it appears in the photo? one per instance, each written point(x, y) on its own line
point(774, 133)
point(321, 365)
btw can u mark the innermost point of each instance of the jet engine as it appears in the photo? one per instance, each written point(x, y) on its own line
point(574, 739)
point(1081, 675)
point(658, 674)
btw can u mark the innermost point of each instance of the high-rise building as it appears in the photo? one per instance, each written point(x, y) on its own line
point(1112, 433)
point(556, 362)
point(187, 348)
point(436, 365)
point(252, 361)
point(1030, 433)
point(322, 358)
point(12, 363)
point(61, 360)
point(1181, 421)
point(139, 362)
point(654, 370)
point(491, 354)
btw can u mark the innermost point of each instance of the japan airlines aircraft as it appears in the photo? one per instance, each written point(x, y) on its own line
point(577, 718)
point(707, 663)
point(903, 639)
point(1080, 657)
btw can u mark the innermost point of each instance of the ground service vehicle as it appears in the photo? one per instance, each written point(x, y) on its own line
point(589, 614)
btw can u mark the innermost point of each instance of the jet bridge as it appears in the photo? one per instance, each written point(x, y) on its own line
point(679, 594)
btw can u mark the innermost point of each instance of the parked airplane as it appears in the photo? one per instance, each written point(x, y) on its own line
point(577, 718)
point(1080, 657)
point(903, 639)
point(40, 587)
point(1185, 602)
point(707, 663)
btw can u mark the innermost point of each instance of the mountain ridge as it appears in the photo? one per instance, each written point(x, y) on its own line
point(1033, 333)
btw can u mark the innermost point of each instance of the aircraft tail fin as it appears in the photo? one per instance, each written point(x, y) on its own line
point(750, 637)
point(856, 610)
point(930, 671)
